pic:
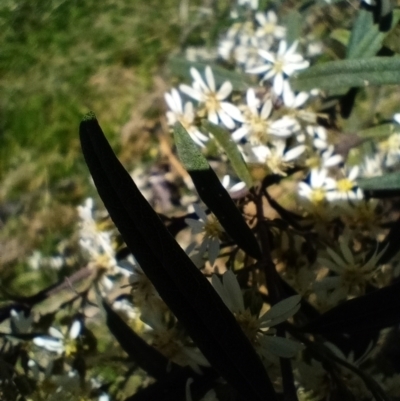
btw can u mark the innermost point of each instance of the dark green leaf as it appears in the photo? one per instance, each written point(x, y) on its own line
point(349, 73)
point(366, 39)
point(379, 131)
point(387, 182)
point(180, 284)
point(377, 309)
point(224, 138)
point(214, 195)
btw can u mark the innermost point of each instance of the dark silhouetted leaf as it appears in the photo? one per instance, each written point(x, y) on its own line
point(180, 284)
point(377, 309)
point(213, 194)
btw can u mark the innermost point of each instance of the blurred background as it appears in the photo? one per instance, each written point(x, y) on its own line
point(59, 59)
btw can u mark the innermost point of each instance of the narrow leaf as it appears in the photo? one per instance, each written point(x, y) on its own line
point(387, 182)
point(349, 73)
point(148, 358)
point(369, 38)
point(377, 309)
point(213, 194)
point(379, 131)
point(180, 284)
point(224, 138)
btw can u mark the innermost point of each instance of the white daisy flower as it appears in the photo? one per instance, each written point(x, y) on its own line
point(372, 166)
point(319, 184)
point(58, 342)
point(280, 65)
point(212, 99)
point(211, 230)
point(185, 115)
point(345, 188)
point(257, 127)
point(277, 158)
point(269, 26)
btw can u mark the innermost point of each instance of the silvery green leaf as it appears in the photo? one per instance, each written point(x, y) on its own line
point(281, 311)
point(390, 181)
point(340, 74)
point(280, 346)
point(232, 287)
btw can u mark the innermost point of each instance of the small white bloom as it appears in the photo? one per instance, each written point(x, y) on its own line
point(185, 115)
point(58, 342)
point(211, 230)
point(319, 184)
point(372, 166)
point(212, 99)
point(280, 65)
point(277, 157)
point(257, 126)
point(269, 26)
point(344, 188)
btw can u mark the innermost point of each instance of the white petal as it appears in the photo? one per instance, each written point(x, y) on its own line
point(232, 110)
point(301, 98)
point(198, 79)
point(240, 133)
point(333, 161)
point(56, 333)
point(213, 117)
point(278, 84)
point(267, 55)
point(354, 173)
point(266, 109)
point(177, 99)
point(170, 102)
point(294, 153)
point(193, 93)
point(252, 101)
point(75, 330)
point(259, 70)
point(226, 119)
point(224, 91)
point(210, 78)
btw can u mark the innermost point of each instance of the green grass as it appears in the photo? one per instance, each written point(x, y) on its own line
point(60, 59)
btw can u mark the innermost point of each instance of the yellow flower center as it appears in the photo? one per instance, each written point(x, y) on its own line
point(212, 104)
point(276, 165)
point(345, 185)
point(212, 227)
point(317, 195)
point(249, 324)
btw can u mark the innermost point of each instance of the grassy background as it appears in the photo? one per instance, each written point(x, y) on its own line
point(60, 59)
